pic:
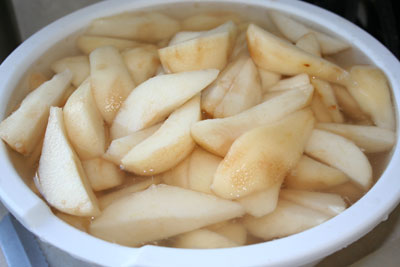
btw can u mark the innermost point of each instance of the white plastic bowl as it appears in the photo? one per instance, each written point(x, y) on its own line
point(303, 248)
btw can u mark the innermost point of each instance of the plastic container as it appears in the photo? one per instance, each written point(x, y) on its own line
point(299, 249)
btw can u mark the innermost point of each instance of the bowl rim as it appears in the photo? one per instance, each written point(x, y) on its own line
point(374, 207)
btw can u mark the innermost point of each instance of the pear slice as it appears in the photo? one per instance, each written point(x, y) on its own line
point(330, 204)
point(268, 79)
point(233, 231)
point(348, 105)
point(181, 37)
point(313, 175)
point(202, 238)
point(294, 30)
point(208, 21)
point(261, 203)
point(137, 186)
point(309, 43)
point(211, 49)
point(178, 175)
point(60, 176)
point(80, 223)
point(325, 92)
point(168, 145)
point(263, 156)
point(290, 83)
point(217, 135)
point(78, 65)
point(348, 191)
point(142, 62)
point(160, 212)
point(288, 218)
point(340, 153)
point(88, 43)
point(319, 109)
point(370, 139)
point(23, 129)
point(369, 87)
point(244, 92)
point(146, 27)
point(203, 166)
point(271, 95)
point(84, 124)
point(153, 100)
point(102, 174)
point(121, 146)
point(277, 55)
point(110, 80)
point(35, 80)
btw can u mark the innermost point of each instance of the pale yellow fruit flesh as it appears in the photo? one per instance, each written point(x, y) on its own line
point(203, 238)
point(88, 43)
point(309, 43)
point(102, 174)
point(78, 65)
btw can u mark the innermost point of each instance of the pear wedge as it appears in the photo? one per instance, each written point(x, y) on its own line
point(152, 101)
point(342, 154)
point(160, 212)
point(121, 146)
point(288, 218)
point(277, 55)
point(146, 27)
point(35, 80)
point(102, 174)
point(217, 135)
point(290, 83)
point(268, 79)
point(370, 139)
point(320, 110)
point(309, 43)
point(313, 175)
point(263, 156)
point(78, 65)
point(168, 146)
point(60, 176)
point(208, 21)
point(110, 81)
point(202, 238)
point(211, 49)
point(88, 43)
point(294, 30)
point(178, 175)
point(330, 204)
point(369, 87)
point(234, 231)
point(84, 124)
point(261, 203)
point(23, 129)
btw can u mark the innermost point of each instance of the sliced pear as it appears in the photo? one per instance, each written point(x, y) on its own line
point(240, 47)
point(288, 218)
point(178, 175)
point(102, 174)
point(330, 204)
point(146, 27)
point(137, 186)
point(160, 212)
point(181, 37)
point(309, 43)
point(294, 30)
point(313, 175)
point(84, 124)
point(268, 79)
point(244, 92)
point(340, 153)
point(110, 80)
point(262, 157)
point(212, 96)
point(319, 109)
point(370, 88)
point(348, 105)
point(121, 146)
point(142, 63)
point(60, 176)
point(202, 238)
point(35, 80)
point(80, 223)
point(207, 21)
point(290, 83)
point(78, 65)
point(168, 146)
point(211, 49)
point(277, 55)
point(217, 135)
point(233, 231)
point(350, 192)
point(271, 95)
point(203, 166)
point(153, 100)
point(23, 129)
point(370, 139)
point(88, 43)
point(263, 202)
point(325, 92)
